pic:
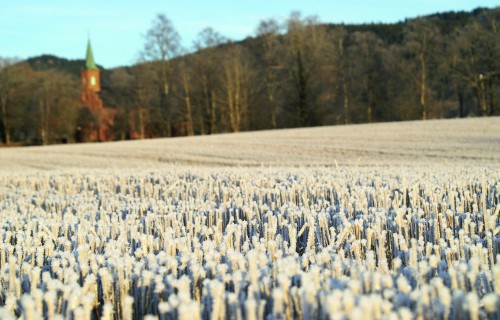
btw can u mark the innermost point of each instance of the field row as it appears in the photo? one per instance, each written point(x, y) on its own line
point(276, 243)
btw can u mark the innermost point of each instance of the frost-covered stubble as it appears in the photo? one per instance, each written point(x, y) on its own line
point(251, 244)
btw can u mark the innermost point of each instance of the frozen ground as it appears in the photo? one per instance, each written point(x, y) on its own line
point(473, 142)
point(383, 221)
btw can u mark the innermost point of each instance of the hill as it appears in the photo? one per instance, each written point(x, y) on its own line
point(51, 62)
point(293, 73)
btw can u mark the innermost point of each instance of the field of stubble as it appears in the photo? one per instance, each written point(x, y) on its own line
point(384, 221)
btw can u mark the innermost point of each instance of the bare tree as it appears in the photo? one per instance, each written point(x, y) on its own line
point(10, 77)
point(366, 47)
point(476, 60)
point(185, 78)
point(122, 83)
point(56, 108)
point(236, 87)
point(421, 38)
point(338, 54)
point(306, 40)
point(144, 94)
point(162, 44)
point(207, 65)
point(268, 31)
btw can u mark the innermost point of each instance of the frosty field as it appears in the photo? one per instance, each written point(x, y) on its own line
point(383, 221)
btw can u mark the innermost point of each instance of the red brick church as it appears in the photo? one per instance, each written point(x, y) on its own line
point(96, 122)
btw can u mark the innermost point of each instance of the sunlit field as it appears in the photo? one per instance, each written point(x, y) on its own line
point(383, 221)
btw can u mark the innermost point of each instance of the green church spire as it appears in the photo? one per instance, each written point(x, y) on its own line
point(90, 63)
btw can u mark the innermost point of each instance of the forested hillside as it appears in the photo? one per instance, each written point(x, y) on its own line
point(293, 73)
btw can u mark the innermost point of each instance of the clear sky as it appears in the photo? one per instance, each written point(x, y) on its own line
point(116, 27)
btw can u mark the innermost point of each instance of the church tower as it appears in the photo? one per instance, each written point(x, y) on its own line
point(98, 123)
point(91, 82)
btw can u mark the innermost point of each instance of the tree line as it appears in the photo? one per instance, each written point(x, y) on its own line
point(292, 73)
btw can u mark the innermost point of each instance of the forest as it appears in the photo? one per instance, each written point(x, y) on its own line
point(298, 72)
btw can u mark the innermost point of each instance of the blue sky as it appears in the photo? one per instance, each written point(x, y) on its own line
point(60, 27)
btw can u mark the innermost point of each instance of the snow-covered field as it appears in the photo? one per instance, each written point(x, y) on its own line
point(384, 221)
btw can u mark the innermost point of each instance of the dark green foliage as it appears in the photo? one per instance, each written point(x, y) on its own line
point(48, 62)
point(389, 33)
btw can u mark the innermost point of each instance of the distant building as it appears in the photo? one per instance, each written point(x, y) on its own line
point(95, 122)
